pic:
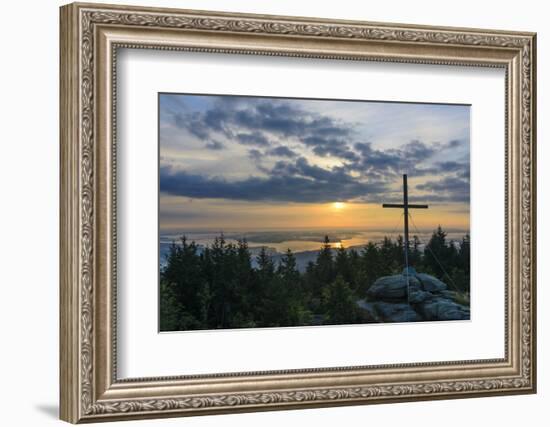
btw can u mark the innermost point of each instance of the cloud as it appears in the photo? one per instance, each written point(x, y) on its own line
point(412, 158)
point(310, 184)
point(214, 145)
point(276, 117)
point(254, 138)
point(259, 122)
point(193, 122)
point(263, 122)
point(299, 150)
point(454, 143)
point(376, 162)
point(449, 188)
point(330, 146)
point(452, 166)
point(417, 151)
point(255, 155)
point(282, 151)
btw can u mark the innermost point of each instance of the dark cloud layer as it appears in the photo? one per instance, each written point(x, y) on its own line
point(254, 138)
point(450, 188)
point(282, 151)
point(311, 185)
point(262, 124)
point(214, 145)
point(264, 120)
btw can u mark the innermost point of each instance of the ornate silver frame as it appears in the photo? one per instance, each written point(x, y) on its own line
point(90, 36)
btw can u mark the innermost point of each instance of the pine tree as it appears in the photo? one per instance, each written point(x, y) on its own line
point(266, 268)
point(354, 260)
point(391, 257)
point(296, 296)
point(461, 272)
point(184, 286)
point(464, 254)
point(169, 308)
point(415, 255)
point(342, 265)
point(324, 265)
point(436, 253)
point(244, 292)
point(288, 268)
point(340, 303)
point(371, 267)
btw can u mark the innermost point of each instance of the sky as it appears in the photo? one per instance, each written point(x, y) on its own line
point(257, 163)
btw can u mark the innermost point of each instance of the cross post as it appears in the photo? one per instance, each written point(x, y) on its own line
point(405, 206)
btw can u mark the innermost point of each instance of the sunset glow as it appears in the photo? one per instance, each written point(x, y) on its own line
point(251, 163)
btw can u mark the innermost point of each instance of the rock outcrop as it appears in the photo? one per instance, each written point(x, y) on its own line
point(412, 297)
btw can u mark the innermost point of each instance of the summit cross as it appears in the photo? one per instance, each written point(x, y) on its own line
point(405, 206)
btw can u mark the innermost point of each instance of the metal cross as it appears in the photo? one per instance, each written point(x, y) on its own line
point(405, 206)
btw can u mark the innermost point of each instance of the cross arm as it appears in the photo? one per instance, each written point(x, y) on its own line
point(400, 206)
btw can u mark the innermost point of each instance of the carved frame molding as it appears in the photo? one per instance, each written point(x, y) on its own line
point(90, 36)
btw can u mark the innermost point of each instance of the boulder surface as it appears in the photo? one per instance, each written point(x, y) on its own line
point(410, 297)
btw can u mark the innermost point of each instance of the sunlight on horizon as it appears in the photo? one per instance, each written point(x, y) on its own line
point(255, 216)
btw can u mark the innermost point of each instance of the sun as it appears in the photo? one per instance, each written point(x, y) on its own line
point(338, 205)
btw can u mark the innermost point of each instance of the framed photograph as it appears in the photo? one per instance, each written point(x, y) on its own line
point(266, 212)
